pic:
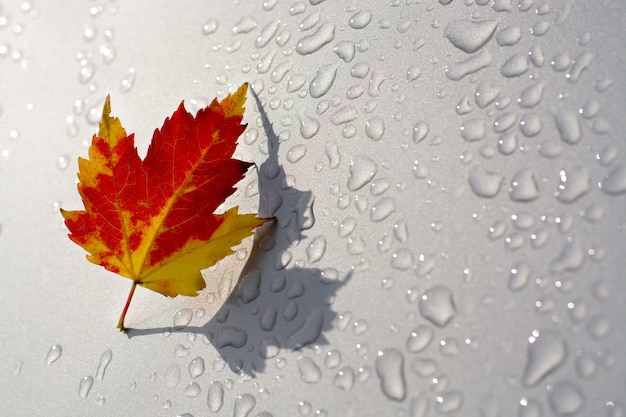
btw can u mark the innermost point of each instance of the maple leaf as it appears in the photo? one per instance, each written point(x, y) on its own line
point(153, 220)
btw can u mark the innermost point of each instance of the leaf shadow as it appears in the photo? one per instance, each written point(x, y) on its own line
point(275, 305)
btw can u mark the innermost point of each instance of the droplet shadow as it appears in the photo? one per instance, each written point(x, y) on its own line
point(275, 305)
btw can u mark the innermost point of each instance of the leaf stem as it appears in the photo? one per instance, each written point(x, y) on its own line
point(120, 324)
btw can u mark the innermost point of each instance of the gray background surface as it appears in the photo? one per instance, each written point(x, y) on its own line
point(449, 182)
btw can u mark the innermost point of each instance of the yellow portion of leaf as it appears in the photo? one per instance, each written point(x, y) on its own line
point(180, 275)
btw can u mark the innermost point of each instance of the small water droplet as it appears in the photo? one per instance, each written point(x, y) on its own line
point(316, 249)
point(615, 181)
point(437, 305)
point(192, 390)
point(568, 126)
point(54, 353)
point(382, 209)
point(323, 80)
point(485, 94)
point(215, 396)
point(314, 42)
point(523, 186)
point(390, 371)
point(309, 371)
point(402, 259)
point(419, 339)
point(565, 398)
point(344, 379)
point(546, 351)
point(473, 130)
point(128, 81)
point(182, 318)
point(332, 359)
point(375, 128)
point(420, 130)
point(246, 25)
point(196, 367)
point(105, 360)
point(360, 19)
point(296, 153)
point(244, 404)
point(474, 63)
point(362, 170)
point(484, 183)
point(85, 386)
point(468, 35)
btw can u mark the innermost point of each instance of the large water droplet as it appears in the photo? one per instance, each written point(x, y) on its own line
point(382, 209)
point(571, 258)
point(437, 305)
point(230, 336)
point(515, 66)
point(54, 353)
point(473, 130)
point(309, 330)
point(246, 25)
point(390, 371)
point(615, 181)
point(344, 379)
point(546, 351)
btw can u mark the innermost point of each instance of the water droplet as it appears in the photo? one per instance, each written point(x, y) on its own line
point(523, 186)
point(316, 249)
point(345, 50)
point(85, 386)
point(532, 95)
point(515, 66)
point(485, 94)
point(182, 318)
point(244, 404)
point(344, 379)
point(474, 63)
point(382, 209)
point(449, 402)
point(575, 183)
point(546, 351)
point(565, 398)
point(419, 339)
point(473, 130)
point(504, 122)
point(314, 42)
point(246, 25)
point(420, 130)
point(309, 371)
point(413, 72)
point(362, 170)
point(484, 183)
point(598, 327)
point(308, 331)
point(437, 305)
point(105, 360)
point(215, 396)
point(54, 353)
point(296, 153)
point(360, 19)
point(345, 114)
point(196, 367)
point(309, 127)
point(568, 126)
point(468, 35)
point(509, 36)
point(390, 371)
point(333, 359)
point(360, 70)
point(519, 276)
point(230, 336)
point(376, 81)
point(615, 181)
point(375, 128)
point(530, 125)
point(192, 390)
point(323, 80)
point(571, 258)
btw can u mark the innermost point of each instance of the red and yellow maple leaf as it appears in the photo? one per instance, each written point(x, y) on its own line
point(153, 220)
